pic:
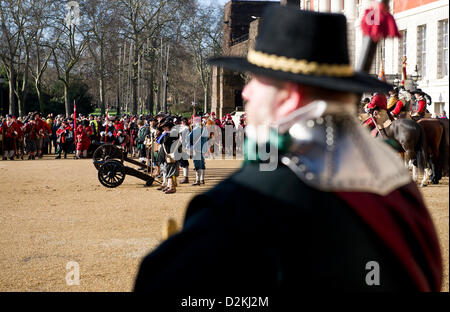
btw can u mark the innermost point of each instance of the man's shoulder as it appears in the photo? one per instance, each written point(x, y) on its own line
point(258, 190)
point(256, 182)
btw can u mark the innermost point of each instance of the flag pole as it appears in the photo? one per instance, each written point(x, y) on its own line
point(107, 121)
point(75, 120)
point(373, 30)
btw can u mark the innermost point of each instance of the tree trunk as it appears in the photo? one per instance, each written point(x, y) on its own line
point(24, 89)
point(102, 83)
point(164, 103)
point(134, 76)
point(37, 86)
point(21, 104)
point(66, 96)
point(205, 105)
point(158, 96)
point(102, 93)
point(22, 98)
point(151, 99)
point(12, 83)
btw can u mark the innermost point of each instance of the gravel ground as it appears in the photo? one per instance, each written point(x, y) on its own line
point(61, 214)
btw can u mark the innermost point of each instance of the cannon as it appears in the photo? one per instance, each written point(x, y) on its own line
point(109, 161)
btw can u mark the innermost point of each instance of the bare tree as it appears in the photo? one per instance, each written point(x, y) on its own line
point(12, 27)
point(144, 19)
point(203, 35)
point(41, 41)
point(70, 48)
point(103, 26)
point(42, 45)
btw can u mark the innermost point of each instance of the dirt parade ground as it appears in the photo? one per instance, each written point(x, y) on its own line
point(56, 218)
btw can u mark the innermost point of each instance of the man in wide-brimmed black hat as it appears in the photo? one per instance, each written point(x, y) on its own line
point(329, 208)
point(420, 106)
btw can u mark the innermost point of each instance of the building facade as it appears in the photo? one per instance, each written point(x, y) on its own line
point(425, 44)
point(241, 20)
point(424, 28)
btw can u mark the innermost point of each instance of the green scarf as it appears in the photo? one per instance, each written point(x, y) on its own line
point(281, 142)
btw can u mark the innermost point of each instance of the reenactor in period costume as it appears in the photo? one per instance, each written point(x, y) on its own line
point(216, 120)
point(196, 141)
point(132, 133)
point(392, 100)
point(107, 133)
point(94, 125)
point(142, 134)
point(377, 108)
point(10, 132)
point(31, 131)
point(43, 132)
point(327, 208)
point(20, 142)
point(170, 144)
point(401, 107)
point(83, 135)
point(65, 139)
point(420, 106)
point(184, 131)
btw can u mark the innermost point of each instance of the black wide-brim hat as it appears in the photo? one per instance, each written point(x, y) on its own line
point(306, 47)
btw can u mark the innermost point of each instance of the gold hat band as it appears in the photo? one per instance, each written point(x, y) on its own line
point(295, 66)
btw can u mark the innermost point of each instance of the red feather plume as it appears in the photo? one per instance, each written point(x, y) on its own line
point(378, 23)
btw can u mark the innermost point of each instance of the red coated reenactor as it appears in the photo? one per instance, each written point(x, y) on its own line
point(118, 125)
point(10, 132)
point(377, 108)
point(64, 139)
point(83, 141)
point(43, 130)
point(20, 143)
point(31, 131)
point(216, 120)
point(419, 109)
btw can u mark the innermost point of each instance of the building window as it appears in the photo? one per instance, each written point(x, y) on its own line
point(402, 45)
point(422, 49)
point(442, 49)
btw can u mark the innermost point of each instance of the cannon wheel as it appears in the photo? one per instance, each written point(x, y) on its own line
point(111, 174)
point(106, 152)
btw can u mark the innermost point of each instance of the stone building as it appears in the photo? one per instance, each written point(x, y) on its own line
point(424, 28)
point(241, 20)
point(425, 43)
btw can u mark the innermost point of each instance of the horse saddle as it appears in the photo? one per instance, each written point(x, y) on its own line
point(364, 117)
point(383, 119)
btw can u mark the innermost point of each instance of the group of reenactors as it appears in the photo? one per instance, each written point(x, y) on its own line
point(167, 143)
point(381, 109)
point(25, 136)
point(151, 138)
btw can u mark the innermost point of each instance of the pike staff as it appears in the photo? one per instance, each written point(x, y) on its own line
point(75, 120)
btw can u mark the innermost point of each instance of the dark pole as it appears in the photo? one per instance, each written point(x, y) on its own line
point(1, 96)
point(369, 48)
point(166, 81)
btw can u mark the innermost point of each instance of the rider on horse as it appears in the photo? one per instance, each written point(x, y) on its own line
point(401, 105)
point(393, 99)
point(377, 108)
point(419, 109)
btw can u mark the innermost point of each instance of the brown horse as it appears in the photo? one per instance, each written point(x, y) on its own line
point(436, 132)
point(411, 137)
